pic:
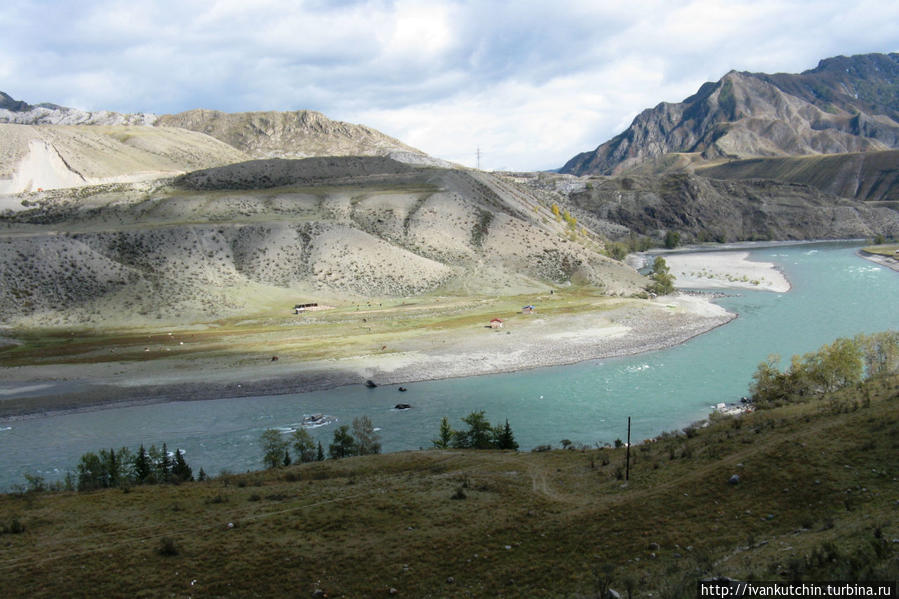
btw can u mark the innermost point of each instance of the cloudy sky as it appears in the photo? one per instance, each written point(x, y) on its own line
point(530, 83)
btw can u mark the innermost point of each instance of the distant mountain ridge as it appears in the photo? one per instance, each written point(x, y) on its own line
point(46, 146)
point(19, 112)
point(296, 134)
point(271, 134)
point(845, 104)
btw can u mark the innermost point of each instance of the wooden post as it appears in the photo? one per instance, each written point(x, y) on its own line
point(627, 472)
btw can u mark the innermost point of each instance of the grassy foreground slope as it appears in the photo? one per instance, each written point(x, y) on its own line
point(817, 500)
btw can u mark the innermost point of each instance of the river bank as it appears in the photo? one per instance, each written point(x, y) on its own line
point(567, 328)
point(882, 260)
point(730, 270)
point(630, 327)
point(835, 294)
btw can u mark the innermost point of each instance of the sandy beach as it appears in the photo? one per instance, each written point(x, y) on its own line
point(727, 270)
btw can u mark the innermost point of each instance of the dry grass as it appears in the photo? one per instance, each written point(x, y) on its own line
point(817, 500)
point(345, 331)
point(888, 250)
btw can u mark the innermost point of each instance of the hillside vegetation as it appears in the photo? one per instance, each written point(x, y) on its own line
point(815, 499)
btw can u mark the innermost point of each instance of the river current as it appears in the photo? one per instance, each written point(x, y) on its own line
point(835, 293)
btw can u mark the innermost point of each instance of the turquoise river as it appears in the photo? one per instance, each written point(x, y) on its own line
point(835, 293)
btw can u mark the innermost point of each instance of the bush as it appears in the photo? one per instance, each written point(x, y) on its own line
point(368, 442)
point(662, 279)
point(481, 435)
point(14, 527)
point(274, 446)
point(841, 364)
point(167, 547)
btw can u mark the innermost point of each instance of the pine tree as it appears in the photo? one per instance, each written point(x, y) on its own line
point(446, 435)
point(165, 465)
point(112, 467)
point(181, 472)
point(286, 461)
point(505, 439)
point(91, 472)
point(344, 445)
point(143, 468)
point(479, 434)
point(320, 454)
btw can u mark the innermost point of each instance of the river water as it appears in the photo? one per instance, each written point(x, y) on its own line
point(835, 293)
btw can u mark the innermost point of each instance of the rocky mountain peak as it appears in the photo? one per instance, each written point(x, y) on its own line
point(8, 103)
point(845, 104)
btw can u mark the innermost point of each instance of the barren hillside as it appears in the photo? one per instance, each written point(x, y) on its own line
point(233, 240)
point(702, 209)
point(60, 156)
point(47, 146)
point(298, 134)
point(866, 176)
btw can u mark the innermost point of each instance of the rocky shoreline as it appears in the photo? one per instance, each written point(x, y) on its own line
point(890, 263)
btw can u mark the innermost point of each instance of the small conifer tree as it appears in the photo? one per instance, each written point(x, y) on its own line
point(505, 439)
point(181, 472)
point(143, 467)
point(446, 435)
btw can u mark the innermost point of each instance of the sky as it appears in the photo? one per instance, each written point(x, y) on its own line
point(530, 84)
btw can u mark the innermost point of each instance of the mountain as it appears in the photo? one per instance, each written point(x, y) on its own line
point(294, 134)
point(35, 157)
point(11, 105)
point(864, 176)
point(227, 240)
point(47, 146)
point(845, 104)
point(21, 113)
point(704, 209)
point(298, 134)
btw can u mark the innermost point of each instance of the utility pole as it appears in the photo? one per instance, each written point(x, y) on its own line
point(627, 472)
point(479, 157)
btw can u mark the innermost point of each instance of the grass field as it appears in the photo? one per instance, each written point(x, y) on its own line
point(889, 250)
point(346, 330)
point(818, 499)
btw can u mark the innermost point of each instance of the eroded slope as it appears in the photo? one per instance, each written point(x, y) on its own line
point(260, 235)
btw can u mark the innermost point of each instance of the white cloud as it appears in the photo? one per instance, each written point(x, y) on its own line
point(531, 82)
